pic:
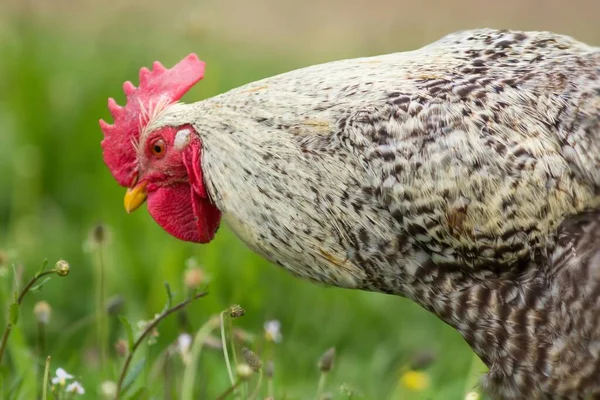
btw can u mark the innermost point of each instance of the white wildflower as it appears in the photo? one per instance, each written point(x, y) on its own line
point(61, 377)
point(472, 396)
point(273, 331)
point(108, 389)
point(184, 343)
point(75, 387)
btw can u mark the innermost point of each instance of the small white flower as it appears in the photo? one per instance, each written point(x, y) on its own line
point(61, 377)
point(108, 389)
point(472, 396)
point(273, 331)
point(184, 343)
point(75, 387)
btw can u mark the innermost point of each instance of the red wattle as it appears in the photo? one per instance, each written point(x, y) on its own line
point(184, 209)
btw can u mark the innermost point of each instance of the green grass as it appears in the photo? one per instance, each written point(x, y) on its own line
point(54, 188)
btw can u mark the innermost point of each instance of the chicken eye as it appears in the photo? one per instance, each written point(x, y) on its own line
point(158, 148)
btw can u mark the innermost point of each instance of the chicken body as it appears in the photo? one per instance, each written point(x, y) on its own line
point(443, 175)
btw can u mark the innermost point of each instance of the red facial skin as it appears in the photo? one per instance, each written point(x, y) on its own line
point(177, 199)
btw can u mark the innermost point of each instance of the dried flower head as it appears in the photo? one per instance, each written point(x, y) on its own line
point(273, 331)
point(423, 359)
point(244, 371)
point(236, 311)
point(42, 312)
point(114, 305)
point(62, 268)
point(270, 369)
point(99, 234)
point(108, 389)
point(122, 347)
point(415, 380)
point(243, 336)
point(252, 359)
point(193, 278)
point(327, 359)
point(97, 237)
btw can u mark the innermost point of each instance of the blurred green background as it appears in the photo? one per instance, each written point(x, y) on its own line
point(61, 60)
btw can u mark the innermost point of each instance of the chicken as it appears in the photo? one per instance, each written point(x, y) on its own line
point(463, 175)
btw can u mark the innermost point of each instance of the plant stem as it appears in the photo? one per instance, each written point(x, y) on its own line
point(4, 339)
point(46, 373)
point(270, 388)
point(224, 342)
point(167, 376)
point(41, 338)
point(145, 333)
point(258, 384)
point(231, 389)
point(9, 327)
point(233, 352)
point(321, 386)
point(189, 373)
point(101, 312)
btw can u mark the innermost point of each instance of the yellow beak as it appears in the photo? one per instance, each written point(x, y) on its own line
point(135, 197)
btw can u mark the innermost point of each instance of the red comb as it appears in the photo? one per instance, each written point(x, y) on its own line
point(161, 86)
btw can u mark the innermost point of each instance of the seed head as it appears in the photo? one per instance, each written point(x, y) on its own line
point(251, 359)
point(236, 311)
point(423, 359)
point(270, 369)
point(42, 312)
point(114, 305)
point(326, 360)
point(99, 234)
point(122, 347)
point(62, 268)
point(193, 278)
point(244, 371)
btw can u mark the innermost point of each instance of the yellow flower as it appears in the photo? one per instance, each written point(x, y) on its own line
point(415, 380)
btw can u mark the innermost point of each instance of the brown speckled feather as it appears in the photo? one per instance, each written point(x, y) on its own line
point(460, 175)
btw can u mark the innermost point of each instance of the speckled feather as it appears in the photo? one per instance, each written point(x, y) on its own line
point(441, 174)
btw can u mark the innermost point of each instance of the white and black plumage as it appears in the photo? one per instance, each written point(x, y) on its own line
point(463, 175)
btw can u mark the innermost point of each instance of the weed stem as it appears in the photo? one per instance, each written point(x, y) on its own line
point(145, 333)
